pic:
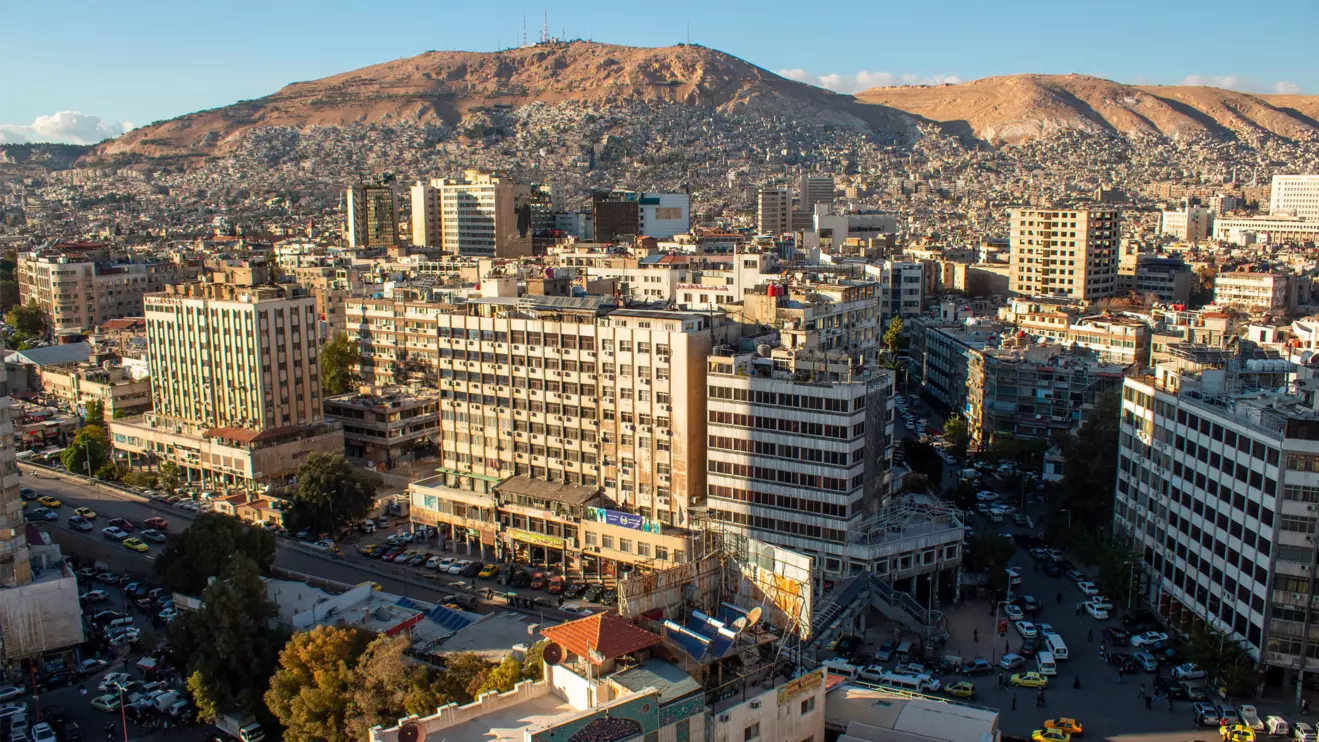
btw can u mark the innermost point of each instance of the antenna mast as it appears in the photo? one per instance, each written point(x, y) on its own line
point(545, 28)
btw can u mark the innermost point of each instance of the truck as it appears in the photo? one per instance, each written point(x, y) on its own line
point(242, 727)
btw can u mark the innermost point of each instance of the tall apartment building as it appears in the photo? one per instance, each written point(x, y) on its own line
point(1191, 223)
point(798, 450)
point(372, 215)
point(427, 216)
point(1218, 480)
point(814, 189)
point(484, 215)
point(1295, 195)
point(1061, 252)
point(81, 285)
point(774, 210)
point(236, 382)
point(1258, 292)
point(901, 289)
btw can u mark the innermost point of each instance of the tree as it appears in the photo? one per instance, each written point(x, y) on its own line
point(990, 553)
point(957, 436)
point(386, 685)
point(208, 547)
point(140, 479)
point(94, 414)
point(122, 413)
point(463, 676)
point(331, 493)
point(1089, 470)
point(503, 676)
point(923, 459)
point(28, 320)
point(1226, 662)
point(88, 452)
point(112, 471)
point(340, 359)
point(532, 667)
point(893, 335)
point(310, 693)
point(169, 477)
point(227, 648)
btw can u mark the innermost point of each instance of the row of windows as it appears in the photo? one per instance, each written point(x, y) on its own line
point(782, 502)
point(799, 401)
point(1213, 604)
point(774, 525)
point(781, 425)
point(780, 476)
point(783, 451)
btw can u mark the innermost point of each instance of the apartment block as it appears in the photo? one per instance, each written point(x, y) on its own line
point(658, 215)
point(1256, 292)
point(372, 215)
point(1295, 195)
point(81, 285)
point(385, 426)
point(1109, 338)
point(1168, 280)
point(1217, 488)
point(940, 355)
point(236, 382)
point(820, 313)
point(814, 189)
point(1190, 223)
point(75, 385)
point(477, 215)
point(901, 289)
point(774, 210)
point(427, 216)
point(1069, 253)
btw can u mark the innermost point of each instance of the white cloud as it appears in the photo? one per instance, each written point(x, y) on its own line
point(1286, 87)
point(69, 127)
point(1243, 84)
point(864, 80)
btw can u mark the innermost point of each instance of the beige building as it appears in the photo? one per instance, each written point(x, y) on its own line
point(774, 210)
point(480, 215)
point(81, 285)
point(372, 215)
point(1259, 292)
point(77, 384)
point(236, 383)
point(1067, 253)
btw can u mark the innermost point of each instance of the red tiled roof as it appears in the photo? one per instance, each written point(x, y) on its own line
point(606, 633)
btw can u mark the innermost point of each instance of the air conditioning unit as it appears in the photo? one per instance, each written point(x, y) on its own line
point(755, 704)
point(723, 718)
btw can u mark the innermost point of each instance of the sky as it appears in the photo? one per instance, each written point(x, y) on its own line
point(83, 70)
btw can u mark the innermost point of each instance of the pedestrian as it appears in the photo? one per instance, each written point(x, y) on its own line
point(1305, 706)
point(1078, 609)
point(975, 635)
point(1060, 598)
point(1090, 635)
point(1141, 694)
point(1040, 697)
point(1014, 701)
point(1076, 683)
point(1000, 680)
point(1119, 677)
point(1149, 703)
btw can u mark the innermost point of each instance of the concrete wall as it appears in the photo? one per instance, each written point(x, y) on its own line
point(40, 617)
point(453, 714)
point(784, 723)
point(570, 686)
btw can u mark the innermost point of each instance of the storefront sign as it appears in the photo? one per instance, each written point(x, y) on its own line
point(625, 520)
point(799, 685)
point(540, 539)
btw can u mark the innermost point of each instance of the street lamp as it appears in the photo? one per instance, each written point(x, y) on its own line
point(123, 715)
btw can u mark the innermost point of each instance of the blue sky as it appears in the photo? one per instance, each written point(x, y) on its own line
point(131, 62)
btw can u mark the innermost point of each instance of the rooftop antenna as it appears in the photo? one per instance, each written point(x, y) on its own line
point(545, 28)
point(524, 30)
point(689, 32)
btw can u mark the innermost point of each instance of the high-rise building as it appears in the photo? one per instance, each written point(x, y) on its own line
point(426, 216)
point(774, 210)
point(236, 382)
point(1216, 491)
point(372, 215)
point(814, 189)
point(1065, 252)
point(658, 215)
point(1259, 292)
point(484, 215)
point(82, 285)
point(1192, 223)
point(1295, 195)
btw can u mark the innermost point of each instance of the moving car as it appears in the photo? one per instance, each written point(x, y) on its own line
point(87, 513)
point(121, 523)
point(156, 522)
point(107, 703)
point(1026, 629)
point(135, 544)
point(963, 689)
point(1029, 680)
point(50, 502)
point(89, 666)
point(1096, 610)
point(94, 596)
point(154, 536)
point(79, 523)
point(1050, 735)
point(489, 571)
point(1011, 661)
point(114, 533)
point(978, 666)
point(1189, 671)
point(1087, 588)
point(1236, 733)
point(43, 514)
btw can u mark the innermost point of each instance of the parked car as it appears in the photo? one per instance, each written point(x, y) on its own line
point(94, 596)
point(472, 569)
point(977, 666)
point(1189, 671)
point(1147, 638)
point(593, 593)
point(457, 567)
point(89, 666)
point(1206, 714)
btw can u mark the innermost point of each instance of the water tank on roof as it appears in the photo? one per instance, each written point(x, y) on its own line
point(763, 350)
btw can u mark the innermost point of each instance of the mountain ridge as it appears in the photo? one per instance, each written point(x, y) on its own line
point(455, 89)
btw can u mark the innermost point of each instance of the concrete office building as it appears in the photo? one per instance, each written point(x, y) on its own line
point(1169, 280)
point(774, 210)
point(1192, 223)
point(658, 215)
point(480, 215)
point(1256, 292)
point(426, 219)
point(372, 215)
point(814, 189)
point(1217, 483)
point(1064, 252)
point(1295, 195)
point(1266, 230)
point(236, 383)
point(82, 285)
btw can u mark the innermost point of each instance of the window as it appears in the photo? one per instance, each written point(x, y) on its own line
point(625, 545)
point(607, 542)
point(752, 732)
point(807, 706)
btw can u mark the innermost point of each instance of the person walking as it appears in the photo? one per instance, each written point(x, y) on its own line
point(1170, 705)
point(1149, 703)
point(975, 635)
point(1090, 635)
point(1039, 696)
point(1119, 677)
point(1076, 683)
point(1141, 694)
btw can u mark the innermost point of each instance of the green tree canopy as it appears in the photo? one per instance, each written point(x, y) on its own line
point(386, 685)
point(893, 335)
point(310, 693)
point(28, 320)
point(531, 665)
point(88, 452)
point(463, 676)
point(331, 493)
point(990, 553)
point(923, 459)
point(956, 434)
point(207, 547)
point(95, 413)
point(1090, 470)
point(169, 477)
point(340, 359)
point(502, 677)
point(227, 648)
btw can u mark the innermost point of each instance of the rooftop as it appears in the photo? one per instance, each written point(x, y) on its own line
point(605, 634)
point(670, 680)
point(569, 494)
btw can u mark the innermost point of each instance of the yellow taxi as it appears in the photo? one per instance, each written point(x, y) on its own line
point(136, 544)
point(1237, 733)
point(1071, 726)
point(488, 571)
point(50, 502)
point(964, 689)
point(1029, 680)
point(1050, 735)
point(87, 513)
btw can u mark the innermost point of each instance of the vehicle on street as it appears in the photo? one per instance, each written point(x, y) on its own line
point(121, 523)
point(885, 651)
point(11, 691)
point(1236, 733)
point(472, 569)
point(593, 593)
point(109, 578)
point(457, 567)
point(1189, 671)
point(1228, 715)
point(1277, 726)
point(1146, 661)
point(154, 536)
point(1148, 638)
point(1011, 661)
point(243, 728)
point(962, 689)
point(1012, 612)
point(1206, 714)
point(50, 502)
point(43, 514)
point(1066, 724)
point(87, 513)
point(79, 523)
point(135, 544)
point(1096, 610)
point(114, 533)
point(42, 733)
point(556, 585)
point(1087, 588)
point(490, 571)
point(444, 564)
point(88, 666)
point(1026, 629)
point(112, 681)
point(1049, 735)
point(1302, 732)
point(1250, 717)
point(107, 703)
point(156, 522)
point(27, 493)
point(538, 581)
point(977, 666)
point(1115, 636)
point(94, 596)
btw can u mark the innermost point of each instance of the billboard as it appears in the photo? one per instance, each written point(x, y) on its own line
point(779, 581)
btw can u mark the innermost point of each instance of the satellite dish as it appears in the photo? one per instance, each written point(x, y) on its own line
point(552, 654)
point(409, 732)
point(740, 624)
point(753, 616)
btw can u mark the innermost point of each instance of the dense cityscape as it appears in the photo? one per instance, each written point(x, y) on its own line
point(671, 415)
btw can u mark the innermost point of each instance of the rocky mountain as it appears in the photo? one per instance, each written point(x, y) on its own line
point(1015, 108)
point(467, 95)
point(456, 89)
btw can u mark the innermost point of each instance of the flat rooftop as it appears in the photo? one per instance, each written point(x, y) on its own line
point(510, 723)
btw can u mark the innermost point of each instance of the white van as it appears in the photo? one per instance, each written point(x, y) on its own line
point(1045, 664)
point(839, 667)
point(119, 622)
point(1056, 646)
point(912, 683)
